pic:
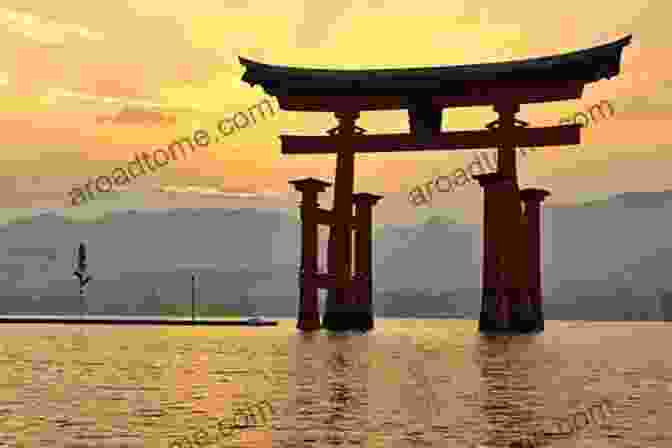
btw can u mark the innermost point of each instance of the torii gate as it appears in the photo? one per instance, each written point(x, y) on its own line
point(511, 284)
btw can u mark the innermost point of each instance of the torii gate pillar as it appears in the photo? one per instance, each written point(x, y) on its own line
point(533, 198)
point(309, 312)
point(506, 305)
point(363, 278)
point(501, 231)
point(340, 300)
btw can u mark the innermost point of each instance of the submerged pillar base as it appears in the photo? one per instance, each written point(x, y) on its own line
point(362, 318)
point(521, 318)
point(308, 321)
point(348, 316)
point(337, 321)
point(338, 315)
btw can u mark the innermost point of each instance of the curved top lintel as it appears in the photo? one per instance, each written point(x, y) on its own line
point(548, 78)
point(258, 72)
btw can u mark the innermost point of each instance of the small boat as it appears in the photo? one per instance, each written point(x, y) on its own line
point(256, 320)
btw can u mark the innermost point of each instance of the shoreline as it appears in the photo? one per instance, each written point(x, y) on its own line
point(136, 321)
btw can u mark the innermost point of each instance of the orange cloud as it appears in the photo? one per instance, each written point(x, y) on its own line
point(138, 116)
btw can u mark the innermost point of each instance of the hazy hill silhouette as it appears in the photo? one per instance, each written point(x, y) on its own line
point(604, 260)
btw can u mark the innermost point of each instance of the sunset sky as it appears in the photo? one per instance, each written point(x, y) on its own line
point(86, 85)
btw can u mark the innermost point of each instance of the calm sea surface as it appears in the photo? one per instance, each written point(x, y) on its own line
point(408, 383)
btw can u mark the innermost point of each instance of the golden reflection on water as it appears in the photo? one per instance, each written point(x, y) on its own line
point(408, 383)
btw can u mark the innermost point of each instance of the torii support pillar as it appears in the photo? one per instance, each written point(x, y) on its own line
point(502, 230)
point(524, 318)
point(309, 311)
point(363, 278)
point(340, 299)
point(533, 198)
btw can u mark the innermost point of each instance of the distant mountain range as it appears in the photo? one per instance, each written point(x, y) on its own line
point(605, 260)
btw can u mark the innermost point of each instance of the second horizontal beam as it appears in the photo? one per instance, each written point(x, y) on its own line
point(444, 141)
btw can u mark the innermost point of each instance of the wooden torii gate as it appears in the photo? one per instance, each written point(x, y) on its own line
point(511, 284)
